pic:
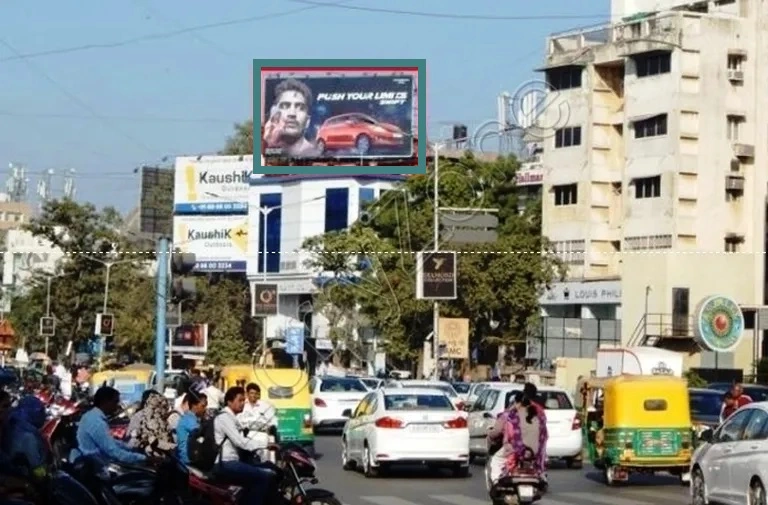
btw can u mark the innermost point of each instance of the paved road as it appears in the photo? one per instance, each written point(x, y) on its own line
point(415, 487)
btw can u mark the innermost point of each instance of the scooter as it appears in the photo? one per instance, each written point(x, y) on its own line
point(522, 486)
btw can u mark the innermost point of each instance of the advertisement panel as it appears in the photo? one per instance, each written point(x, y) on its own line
point(220, 243)
point(192, 338)
point(212, 184)
point(324, 113)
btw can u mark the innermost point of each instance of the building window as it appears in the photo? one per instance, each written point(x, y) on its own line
point(568, 137)
point(336, 209)
point(650, 64)
point(732, 246)
point(564, 78)
point(648, 187)
point(570, 252)
point(735, 62)
point(366, 195)
point(651, 127)
point(735, 124)
point(274, 219)
point(567, 194)
point(652, 242)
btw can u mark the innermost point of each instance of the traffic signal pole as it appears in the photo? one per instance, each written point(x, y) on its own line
point(161, 294)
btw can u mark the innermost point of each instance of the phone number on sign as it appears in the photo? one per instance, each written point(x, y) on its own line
point(218, 265)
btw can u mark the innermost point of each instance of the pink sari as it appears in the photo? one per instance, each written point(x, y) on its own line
point(513, 437)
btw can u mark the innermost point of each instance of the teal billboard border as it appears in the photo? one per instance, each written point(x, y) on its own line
point(420, 168)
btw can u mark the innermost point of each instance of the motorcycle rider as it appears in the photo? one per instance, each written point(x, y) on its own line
point(256, 481)
point(23, 443)
point(189, 422)
point(258, 415)
point(135, 423)
point(94, 438)
point(521, 425)
point(153, 431)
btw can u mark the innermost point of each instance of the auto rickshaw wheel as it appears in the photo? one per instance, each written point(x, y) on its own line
point(609, 475)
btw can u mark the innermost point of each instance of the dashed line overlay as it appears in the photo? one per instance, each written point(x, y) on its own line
point(383, 253)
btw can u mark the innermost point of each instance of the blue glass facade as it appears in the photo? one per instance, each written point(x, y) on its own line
point(336, 209)
point(274, 225)
point(367, 195)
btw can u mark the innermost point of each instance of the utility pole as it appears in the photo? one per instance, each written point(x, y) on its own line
point(69, 184)
point(435, 248)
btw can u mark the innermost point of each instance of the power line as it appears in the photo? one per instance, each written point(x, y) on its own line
point(442, 15)
point(166, 34)
point(76, 99)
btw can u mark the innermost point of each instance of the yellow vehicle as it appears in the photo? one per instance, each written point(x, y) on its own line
point(638, 424)
point(287, 389)
point(130, 383)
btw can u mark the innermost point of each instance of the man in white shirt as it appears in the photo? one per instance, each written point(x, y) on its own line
point(65, 380)
point(257, 414)
point(256, 481)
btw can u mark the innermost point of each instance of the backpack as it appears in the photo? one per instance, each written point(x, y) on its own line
point(202, 448)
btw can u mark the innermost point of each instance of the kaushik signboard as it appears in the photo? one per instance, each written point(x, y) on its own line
point(220, 243)
point(322, 113)
point(212, 185)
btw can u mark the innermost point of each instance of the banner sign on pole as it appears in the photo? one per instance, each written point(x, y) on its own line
point(294, 340)
point(190, 338)
point(436, 276)
point(105, 325)
point(47, 326)
point(453, 334)
point(265, 300)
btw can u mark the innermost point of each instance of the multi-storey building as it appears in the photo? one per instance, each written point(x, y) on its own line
point(654, 194)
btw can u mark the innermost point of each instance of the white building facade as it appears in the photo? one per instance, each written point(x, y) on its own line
point(292, 209)
point(652, 192)
point(24, 255)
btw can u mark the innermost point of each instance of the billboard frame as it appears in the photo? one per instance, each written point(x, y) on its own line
point(350, 65)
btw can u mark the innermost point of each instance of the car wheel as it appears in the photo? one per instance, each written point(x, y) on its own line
point(757, 494)
point(698, 488)
point(320, 146)
point(363, 144)
point(346, 463)
point(460, 471)
point(573, 463)
point(472, 458)
point(369, 470)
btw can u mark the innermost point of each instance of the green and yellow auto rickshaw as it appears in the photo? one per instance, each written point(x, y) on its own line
point(637, 424)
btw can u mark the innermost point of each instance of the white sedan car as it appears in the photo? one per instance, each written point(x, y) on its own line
point(405, 426)
point(331, 396)
point(445, 387)
point(729, 467)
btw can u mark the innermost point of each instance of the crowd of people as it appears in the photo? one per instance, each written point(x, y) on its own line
point(188, 429)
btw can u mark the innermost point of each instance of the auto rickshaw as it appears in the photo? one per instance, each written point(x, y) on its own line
point(287, 389)
point(637, 424)
point(130, 383)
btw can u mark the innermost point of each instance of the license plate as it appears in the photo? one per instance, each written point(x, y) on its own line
point(425, 428)
point(525, 492)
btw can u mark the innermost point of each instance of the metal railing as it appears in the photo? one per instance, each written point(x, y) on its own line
point(661, 326)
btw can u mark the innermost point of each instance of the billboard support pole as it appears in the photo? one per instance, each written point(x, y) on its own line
point(163, 246)
point(48, 308)
point(435, 240)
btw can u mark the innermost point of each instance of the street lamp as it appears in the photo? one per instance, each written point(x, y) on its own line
point(108, 264)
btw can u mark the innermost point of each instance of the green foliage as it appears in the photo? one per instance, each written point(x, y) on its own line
point(87, 237)
point(241, 142)
point(694, 380)
point(499, 281)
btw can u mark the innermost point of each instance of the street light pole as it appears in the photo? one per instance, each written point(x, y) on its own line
point(48, 282)
point(435, 248)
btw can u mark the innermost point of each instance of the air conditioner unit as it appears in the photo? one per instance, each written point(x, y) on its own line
point(735, 75)
point(734, 183)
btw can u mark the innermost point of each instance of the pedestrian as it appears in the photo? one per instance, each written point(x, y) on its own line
point(729, 406)
point(741, 399)
point(153, 430)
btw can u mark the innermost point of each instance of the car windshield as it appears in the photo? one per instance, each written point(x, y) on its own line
point(705, 403)
point(461, 387)
point(371, 383)
point(406, 401)
point(479, 389)
point(445, 388)
point(342, 386)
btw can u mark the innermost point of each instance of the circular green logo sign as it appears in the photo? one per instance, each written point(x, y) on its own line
point(718, 324)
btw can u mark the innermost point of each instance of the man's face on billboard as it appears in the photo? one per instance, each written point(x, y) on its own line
point(293, 111)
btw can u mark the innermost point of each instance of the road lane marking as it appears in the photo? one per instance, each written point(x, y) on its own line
point(458, 499)
point(389, 500)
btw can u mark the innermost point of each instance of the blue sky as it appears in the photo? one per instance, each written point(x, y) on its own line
point(131, 98)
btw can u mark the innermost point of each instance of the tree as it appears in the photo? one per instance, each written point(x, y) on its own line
point(241, 142)
point(88, 238)
point(374, 263)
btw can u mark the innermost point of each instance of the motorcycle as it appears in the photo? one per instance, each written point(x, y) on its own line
point(294, 468)
point(522, 486)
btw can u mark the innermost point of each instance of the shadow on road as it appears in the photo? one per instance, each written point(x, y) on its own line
point(637, 479)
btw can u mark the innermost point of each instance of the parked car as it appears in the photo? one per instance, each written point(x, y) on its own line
point(462, 388)
point(706, 405)
point(372, 383)
point(405, 426)
point(563, 423)
point(728, 466)
point(331, 396)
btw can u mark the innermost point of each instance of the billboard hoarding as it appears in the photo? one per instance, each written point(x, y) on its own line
point(219, 243)
point(436, 276)
point(212, 184)
point(321, 116)
point(453, 335)
point(191, 338)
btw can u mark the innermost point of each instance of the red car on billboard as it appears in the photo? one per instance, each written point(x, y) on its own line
point(359, 132)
